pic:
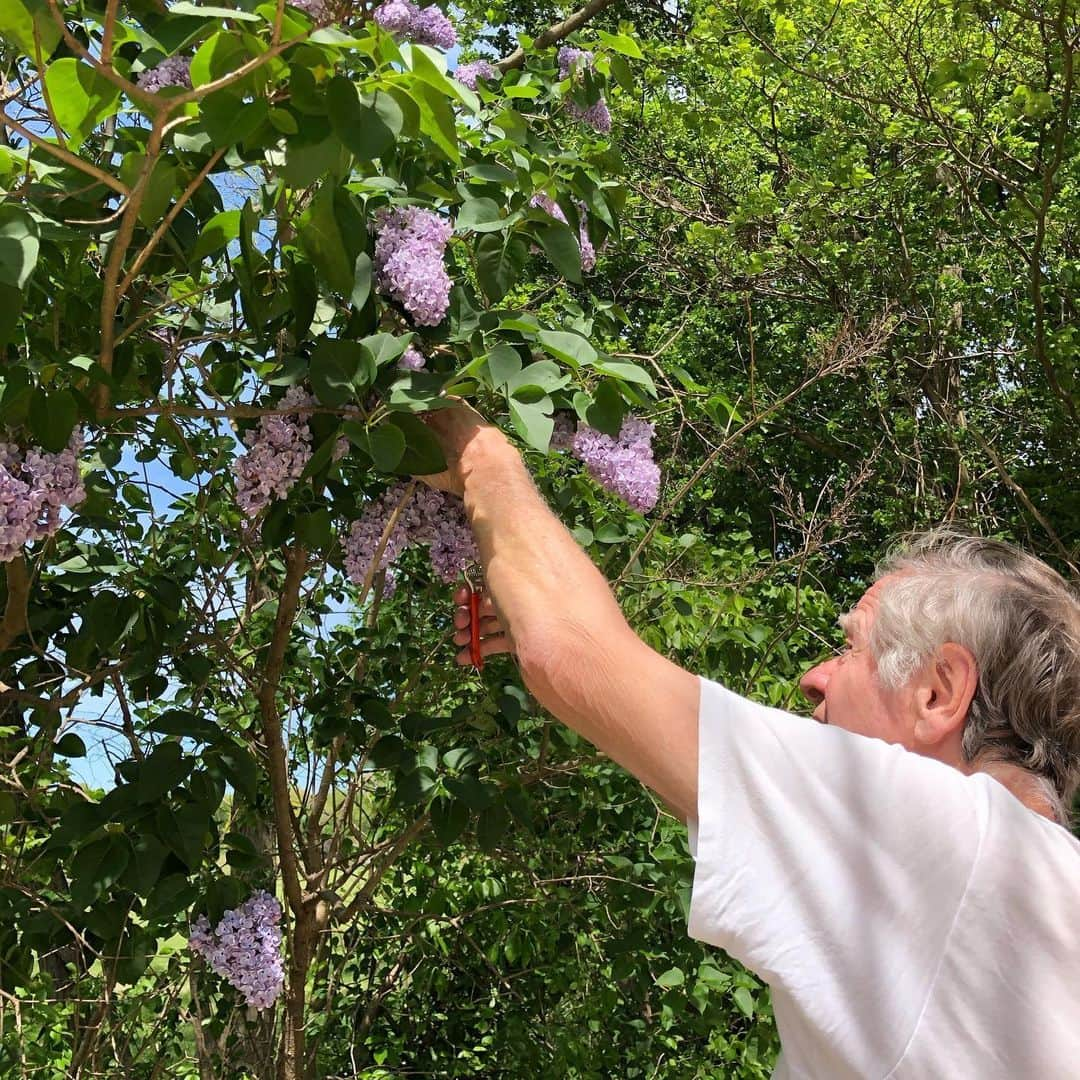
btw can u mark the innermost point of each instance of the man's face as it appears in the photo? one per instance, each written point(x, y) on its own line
point(845, 689)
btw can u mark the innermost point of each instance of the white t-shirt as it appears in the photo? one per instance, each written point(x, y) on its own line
point(911, 921)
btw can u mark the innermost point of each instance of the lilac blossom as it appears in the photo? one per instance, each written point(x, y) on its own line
point(409, 246)
point(362, 542)
point(412, 360)
point(429, 517)
point(552, 208)
point(573, 60)
point(33, 489)
point(245, 948)
point(424, 26)
point(172, 71)
point(596, 115)
point(549, 206)
point(625, 465)
point(278, 452)
point(467, 74)
point(316, 10)
point(574, 63)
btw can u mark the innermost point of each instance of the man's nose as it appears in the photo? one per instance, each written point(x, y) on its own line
point(814, 682)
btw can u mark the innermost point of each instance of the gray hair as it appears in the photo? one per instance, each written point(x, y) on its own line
point(1021, 621)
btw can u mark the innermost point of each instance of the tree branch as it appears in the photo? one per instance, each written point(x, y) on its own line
point(295, 566)
point(556, 33)
point(18, 592)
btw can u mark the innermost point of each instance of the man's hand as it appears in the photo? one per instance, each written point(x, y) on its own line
point(493, 637)
point(577, 655)
point(458, 429)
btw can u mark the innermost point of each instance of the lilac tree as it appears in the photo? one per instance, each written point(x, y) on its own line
point(243, 250)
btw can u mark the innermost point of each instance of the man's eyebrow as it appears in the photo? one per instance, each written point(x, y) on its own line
point(847, 623)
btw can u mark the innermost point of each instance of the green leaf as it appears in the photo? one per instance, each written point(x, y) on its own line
point(423, 452)
point(360, 127)
point(480, 215)
point(544, 375)
point(561, 247)
point(429, 65)
point(620, 43)
point(437, 120)
point(491, 826)
point(162, 771)
point(81, 98)
point(303, 295)
point(209, 11)
point(191, 725)
point(219, 55)
point(145, 868)
point(472, 792)
point(392, 106)
point(218, 232)
point(504, 362)
point(386, 445)
point(385, 348)
point(52, 418)
point(569, 347)
point(361, 289)
point(184, 830)
point(19, 245)
point(498, 174)
point(339, 370)
point(161, 185)
point(448, 818)
point(532, 424)
point(18, 21)
point(499, 262)
point(671, 978)
point(314, 529)
point(70, 746)
point(744, 1000)
point(96, 867)
point(240, 769)
point(321, 240)
point(627, 372)
point(607, 409)
point(229, 120)
point(11, 304)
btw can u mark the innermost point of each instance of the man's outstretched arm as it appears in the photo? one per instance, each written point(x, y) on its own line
point(578, 655)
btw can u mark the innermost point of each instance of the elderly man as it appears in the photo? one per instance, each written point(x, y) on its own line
point(898, 872)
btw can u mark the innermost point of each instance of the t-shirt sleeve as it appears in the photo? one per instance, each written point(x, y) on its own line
point(831, 864)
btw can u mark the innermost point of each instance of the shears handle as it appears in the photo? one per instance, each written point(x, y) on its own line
point(476, 591)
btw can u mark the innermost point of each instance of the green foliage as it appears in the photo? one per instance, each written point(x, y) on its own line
point(838, 271)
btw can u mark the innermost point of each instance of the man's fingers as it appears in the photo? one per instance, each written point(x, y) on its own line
point(489, 646)
point(488, 627)
point(462, 615)
point(461, 598)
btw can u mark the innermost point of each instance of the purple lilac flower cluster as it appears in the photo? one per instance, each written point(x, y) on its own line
point(467, 74)
point(551, 207)
point(316, 10)
point(624, 465)
point(278, 452)
point(573, 62)
point(33, 488)
point(245, 948)
point(412, 360)
point(172, 71)
point(428, 517)
point(424, 26)
point(408, 261)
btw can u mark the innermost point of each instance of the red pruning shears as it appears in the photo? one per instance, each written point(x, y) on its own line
point(475, 581)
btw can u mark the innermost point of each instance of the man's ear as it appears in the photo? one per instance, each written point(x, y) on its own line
point(943, 693)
